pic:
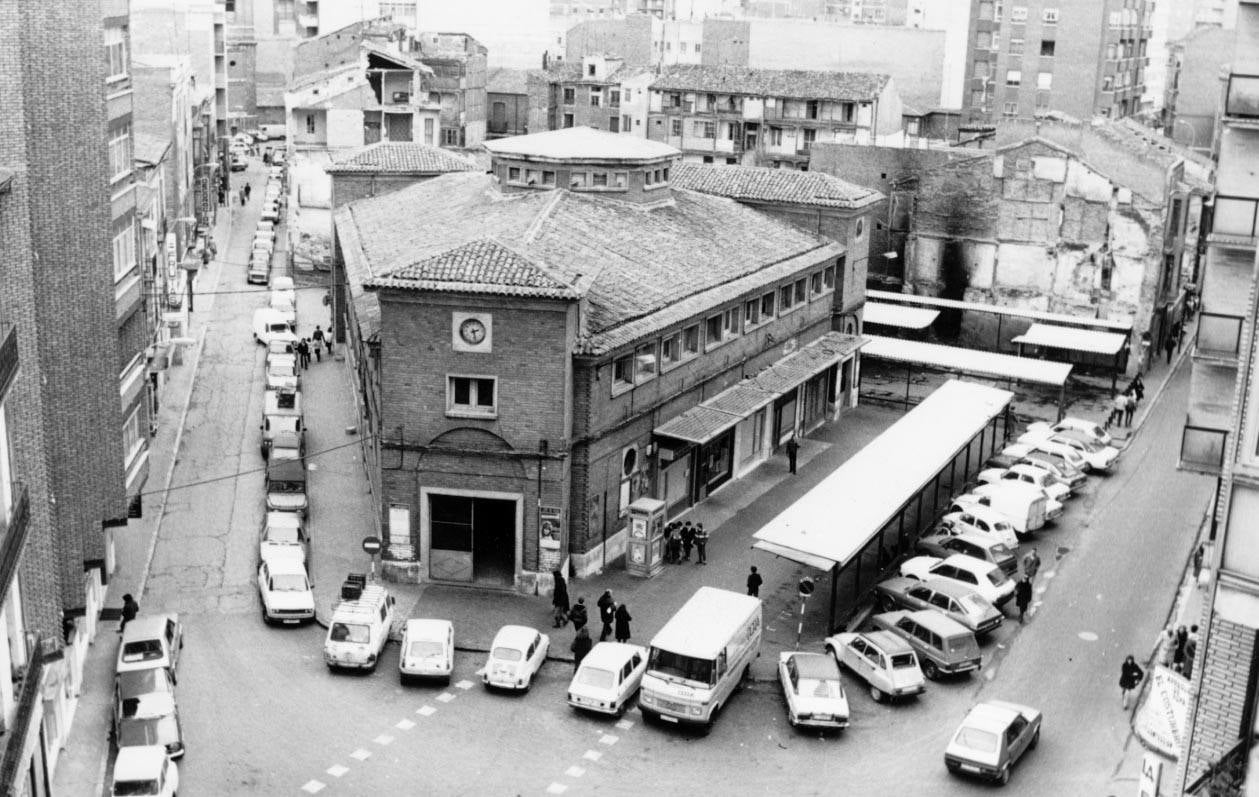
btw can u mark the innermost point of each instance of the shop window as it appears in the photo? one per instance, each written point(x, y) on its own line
point(472, 395)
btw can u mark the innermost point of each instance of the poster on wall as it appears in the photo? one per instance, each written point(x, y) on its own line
point(549, 519)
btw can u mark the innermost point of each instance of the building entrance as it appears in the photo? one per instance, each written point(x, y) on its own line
point(472, 539)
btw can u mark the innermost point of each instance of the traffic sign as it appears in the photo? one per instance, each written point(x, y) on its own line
point(806, 587)
point(371, 545)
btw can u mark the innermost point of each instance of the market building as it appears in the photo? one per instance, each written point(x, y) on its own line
point(572, 332)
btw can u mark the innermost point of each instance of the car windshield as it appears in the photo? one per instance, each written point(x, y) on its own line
point(593, 676)
point(997, 577)
point(158, 730)
point(820, 687)
point(142, 650)
point(1002, 526)
point(668, 663)
point(280, 369)
point(975, 739)
point(134, 788)
point(507, 654)
point(288, 582)
point(349, 632)
point(282, 534)
point(424, 648)
point(903, 660)
point(287, 487)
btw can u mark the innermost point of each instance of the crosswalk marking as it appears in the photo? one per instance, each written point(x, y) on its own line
point(313, 787)
point(426, 711)
point(592, 755)
point(383, 739)
point(446, 697)
point(361, 754)
point(336, 770)
point(404, 725)
point(574, 771)
point(608, 739)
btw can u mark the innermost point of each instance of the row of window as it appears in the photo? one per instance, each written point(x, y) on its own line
point(682, 47)
point(579, 181)
point(989, 11)
point(657, 356)
point(120, 149)
point(596, 96)
point(616, 124)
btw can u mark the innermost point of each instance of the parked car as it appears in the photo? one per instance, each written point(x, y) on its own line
point(282, 303)
point(963, 604)
point(983, 577)
point(267, 226)
point(976, 518)
point(1037, 477)
point(1065, 453)
point(882, 659)
point(270, 211)
point(1073, 477)
point(608, 678)
point(1069, 423)
point(283, 537)
point(148, 719)
point(285, 590)
point(238, 163)
point(813, 690)
point(1097, 457)
point(144, 770)
point(428, 649)
point(1027, 505)
point(992, 738)
point(283, 286)
point(282, 373)
point(359, 628)
point(946, 541)
point(516, 656)
point(151, 640)
point(943, 645)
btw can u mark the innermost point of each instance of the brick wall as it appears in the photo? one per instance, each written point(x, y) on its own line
point(352, 186)
point(1221, 690)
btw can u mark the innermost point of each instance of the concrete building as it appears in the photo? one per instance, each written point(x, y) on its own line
point(1084, 58)
point(1195, 66)
point(507, 101)
point(1221, 437)
point(767, 117)
point(596, 91)
point(65, 212)
point(645, 377)
point(458, 62)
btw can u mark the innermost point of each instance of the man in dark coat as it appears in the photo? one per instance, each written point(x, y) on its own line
point(1023, 595)
point(582, 644)
point(622, 623)
point(754, 583)
point(1130, 675)
point(607, 616)
point(578, 615)
point(688, 541)
point(701, 544)
point(793, 448)
point(559, 600)
point(129, 611)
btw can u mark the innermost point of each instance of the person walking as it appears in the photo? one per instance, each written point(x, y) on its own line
point(129, 611)
point(1197, 561)
point(669, 532)
point(1138, 388)
point(582, 643)
point(327, 339)
point(318, 338)
point(1169, 342)
point(244, 196)
point(1130, 675)
point(674, 547)
point(1178, 656)
point(688, 541)
point(793, 450)
point(303, 353)
point(1166, 647)
point(1117, 405)
point(559, 601)
point(222, 197)
point(249, 189)
point(1130, 408)
point(1191, 650)
point(1023, 596)
point(622, 623)
point(578, 615)
point(701, 544)
point(1031, 565)
point(754, 582)
point(607, 616)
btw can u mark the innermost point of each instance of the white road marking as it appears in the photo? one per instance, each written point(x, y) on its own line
point(361, 754)
point(336, 770)
point(1087, 636)
point(592, 755)
point(313, 787)
point(464, 684)
point(574, 771)
point(426, 711)
point(1050, 573)
point(608, 739)
point(625, 725)
point(1040, 590)
point(404, 725)
point(383, 739)
point(446, 697)
point(556, 788)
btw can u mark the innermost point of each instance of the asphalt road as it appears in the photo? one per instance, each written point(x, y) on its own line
point(262, 715)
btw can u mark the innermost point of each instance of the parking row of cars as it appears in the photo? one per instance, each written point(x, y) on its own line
point(146, 728)
point(263, 247)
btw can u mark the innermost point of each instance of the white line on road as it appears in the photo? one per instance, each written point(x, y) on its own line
point(625, 725)
point(1087, 636)
point(446, 697)
point(592, 755)
point(361, 754)
point(608, 739)
point(556, 788)
point(574, 771)
point(426, 711)
point(336, 770)
point(404, 725)
point(464, 684)
point(313, 787)
point(383, 739)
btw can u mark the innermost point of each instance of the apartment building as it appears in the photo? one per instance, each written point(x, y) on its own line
point(1084, 58)
point(769, 117)
point(1191, 92)
point(597, 91)
point(459, 76)
point(1221, 437)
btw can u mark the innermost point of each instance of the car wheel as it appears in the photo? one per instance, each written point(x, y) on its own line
point(877, 694)
point(1035, 740)
point(1003, 777)
point(887, 604)
point(930, 670)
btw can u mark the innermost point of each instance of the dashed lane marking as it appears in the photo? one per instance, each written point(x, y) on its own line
point(313, 787)
point(446, 697)
point(426, 711)
point(361, 754)
point(1050, 573)
point(557, 788)
point(574, 771)
point(404, 725)
point(608, 739)
point(625, 725)
point(464, 684)
point(592, 755)
point(383, 739)
point(1087, 636)
point(336, 770)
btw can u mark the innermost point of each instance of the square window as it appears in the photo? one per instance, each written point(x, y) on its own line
point(471, 395)
point(600, 180)
point(570, 96)
point(1013, 77)
point(1016, 46)
point(548, 178)
point(670, 350)
point(533, 176)
point(645, 362)
point(623, 371)
point(802, 290)
point(1010, 109)
point(1047, 49)
point(620, 179)
point(751, 312)
point(1018, 14)
point(713, 329)
point(513, 174)
point(690, 341)
point(1044, 80)
point(767, 306)
point(577, 180)
point(1049, 15)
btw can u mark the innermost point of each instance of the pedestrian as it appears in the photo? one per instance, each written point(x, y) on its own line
point(1031, 564)
point(327, 340)
point(793, 449)
point(1197, 561)
point(622, 623)
point(559, 601)
point(222, 197)
point(244, 196)
point(582, 643)
point(688, 541)
point(1138, 388)
point(669, 531)
point(1130, 676)
point(578, 615)
point(1166, 647)
point(754, 583)
point(316, 340)
point(249, 189)
point(607, 616)
point(1023, 596)
point(1117, 405)
point(303, 353)
point(701, 545)
point(1169, 343)
point(1191, 650)
point(129, 611)
point(1130, 407)
point(205, 257)
point(674, 547)
point(1178, 656)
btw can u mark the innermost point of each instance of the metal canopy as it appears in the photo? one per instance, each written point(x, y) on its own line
point(1085, 340)
point(970, 361)
point(896, 315)
point(1012, 312)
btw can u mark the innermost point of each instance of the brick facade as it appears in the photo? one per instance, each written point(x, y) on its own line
point(1222, 689)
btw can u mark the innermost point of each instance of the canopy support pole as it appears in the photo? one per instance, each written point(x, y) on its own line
point(1000, 318)
point(830, 623)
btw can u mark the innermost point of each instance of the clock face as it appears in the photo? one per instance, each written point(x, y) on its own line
point(472, 331)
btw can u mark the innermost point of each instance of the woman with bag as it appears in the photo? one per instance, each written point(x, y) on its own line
point(1130, 676)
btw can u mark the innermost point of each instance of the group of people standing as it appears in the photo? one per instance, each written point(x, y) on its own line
point(680, 538)
point(1124, 405)
point(314, 344)
point(614, 617)
point(1177, 649)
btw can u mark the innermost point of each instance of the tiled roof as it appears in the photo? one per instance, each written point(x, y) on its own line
point(401, 157)
point(761, 184)
point(571, 72)
point(482, 266)
point(637, 269)
point(796, 83)
point(507, 81)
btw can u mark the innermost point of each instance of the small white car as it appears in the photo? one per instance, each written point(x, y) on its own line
point(1066, 453)
point(813, 690)
point(979, 519)
point(287, 595)
point(149, 719)
point(516, 656)
point(608, 678)
point(268, 325)
point(1074, 424)
point(282, 372)
point(990, 581)
point(144, 770)
point(271, 212)
point(428, 650)
point(283, 537)
point(282, 303)
point(153, 640)
point(1028, 474)
point(267, 227)
point(991, 740)
point(283, 286)
point(882, 659)
point(1097, 457)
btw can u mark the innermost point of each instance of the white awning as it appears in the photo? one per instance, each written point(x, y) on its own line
point(968, 361)
point(1011, 312)
point(1085, 340)
point(835, 520)
point(898, 315)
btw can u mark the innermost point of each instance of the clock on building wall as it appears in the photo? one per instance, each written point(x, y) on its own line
point(471, 332)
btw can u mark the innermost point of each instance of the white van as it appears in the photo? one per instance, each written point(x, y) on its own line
point(700, 656)
point(1025, 506)
point(269, 325)
point(359, 627)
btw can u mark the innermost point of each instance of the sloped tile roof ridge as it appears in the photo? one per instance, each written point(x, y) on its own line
point(482, 265)
point(773, 185)
point(400, 156)
point(796, 83)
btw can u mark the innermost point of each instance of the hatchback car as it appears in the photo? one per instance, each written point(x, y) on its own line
point(150, 719)
point(813, 690)
point(428, 649)
point(608, 678)
point(882, 659)
point(951, 599)
point(943, 646)
point(144, 770)
point(140, 692)
point(1096, 457)
point(271, 212)
point(282, 303)
point(1037, 477)
point(1090, 428)
point(516, 656)
point(992, 738)
point(282, 372)
point(944, 542)
point(1032, 451)
point(1062, 470)
point(979, 519)
point(287, 595)
point(984, 578)
point(153, 640)
point(283, 286)
point(283, 536)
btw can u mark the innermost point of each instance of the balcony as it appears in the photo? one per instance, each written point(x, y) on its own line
point(13, 529)
point(8, 357)
point(1241, 100)
point(29, 700)
point(1236, 220)
point(1219, 337)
